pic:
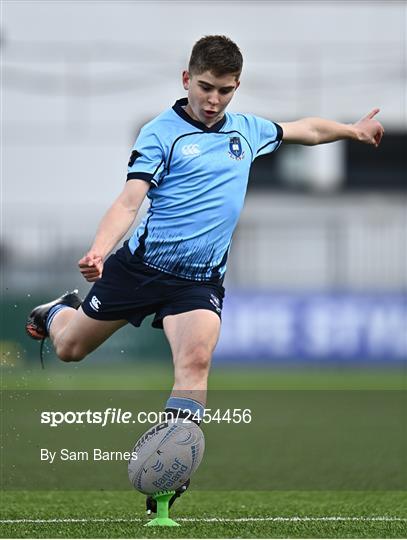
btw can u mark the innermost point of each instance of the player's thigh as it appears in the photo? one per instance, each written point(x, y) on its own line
point(88, 333)
point(193, 333)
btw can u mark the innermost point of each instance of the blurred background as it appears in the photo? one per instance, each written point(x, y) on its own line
point(318, 269)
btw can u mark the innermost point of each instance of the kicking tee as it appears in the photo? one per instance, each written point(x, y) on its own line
point(198, 178)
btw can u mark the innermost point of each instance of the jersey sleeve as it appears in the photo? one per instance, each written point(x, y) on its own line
point(147, 160)
point(266, 136)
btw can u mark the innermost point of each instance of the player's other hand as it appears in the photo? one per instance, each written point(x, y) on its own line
point(369, 130)
point(91, 266)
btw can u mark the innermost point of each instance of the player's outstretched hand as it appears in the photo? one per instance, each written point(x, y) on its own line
point(91, 266)
point(369, 130)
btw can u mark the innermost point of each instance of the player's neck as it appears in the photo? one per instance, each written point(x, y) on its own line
point(208, 123)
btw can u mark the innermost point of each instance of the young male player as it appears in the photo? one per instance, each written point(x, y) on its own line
point(193, 163)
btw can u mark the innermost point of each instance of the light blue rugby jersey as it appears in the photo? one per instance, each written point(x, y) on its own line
point(198, 179)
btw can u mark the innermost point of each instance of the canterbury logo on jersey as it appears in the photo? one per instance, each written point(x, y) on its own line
point(191, 150)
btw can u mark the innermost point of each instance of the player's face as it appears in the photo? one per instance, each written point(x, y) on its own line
point(208, 96)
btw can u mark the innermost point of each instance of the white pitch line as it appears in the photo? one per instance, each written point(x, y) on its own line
point(216, 519)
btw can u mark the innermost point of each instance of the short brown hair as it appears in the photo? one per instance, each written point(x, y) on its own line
point(217, 54)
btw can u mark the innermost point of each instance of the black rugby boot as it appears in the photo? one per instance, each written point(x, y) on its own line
point(36, 325)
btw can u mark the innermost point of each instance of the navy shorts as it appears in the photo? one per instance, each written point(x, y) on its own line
point(130, 290)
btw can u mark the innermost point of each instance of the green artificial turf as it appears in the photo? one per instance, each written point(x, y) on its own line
point(208, 514)
point(159, 376)
point(325, 444)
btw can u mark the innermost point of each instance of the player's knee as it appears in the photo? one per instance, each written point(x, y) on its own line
point(196, 360)
point(70, 352)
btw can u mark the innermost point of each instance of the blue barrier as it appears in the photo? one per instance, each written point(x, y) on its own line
point(314, 326)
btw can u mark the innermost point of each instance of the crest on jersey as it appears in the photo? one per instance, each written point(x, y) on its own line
point(235, 148)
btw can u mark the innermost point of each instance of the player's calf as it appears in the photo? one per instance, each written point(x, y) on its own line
point(69, 353)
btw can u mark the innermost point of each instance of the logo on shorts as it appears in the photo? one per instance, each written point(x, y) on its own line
point(191, 150)
point(235, 148)
point(214, 300)
point(95, 303)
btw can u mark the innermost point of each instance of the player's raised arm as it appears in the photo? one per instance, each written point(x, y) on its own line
point(114, 225)
point(312, 131)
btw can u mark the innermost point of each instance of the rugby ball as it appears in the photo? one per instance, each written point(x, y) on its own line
point(166, 456)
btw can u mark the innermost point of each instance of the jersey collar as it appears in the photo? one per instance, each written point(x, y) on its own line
point(179, 109)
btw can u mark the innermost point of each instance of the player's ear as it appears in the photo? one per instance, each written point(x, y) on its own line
point(185, 79)
point(237, 85)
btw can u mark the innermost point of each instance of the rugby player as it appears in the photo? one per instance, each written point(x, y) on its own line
point(192, 162)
